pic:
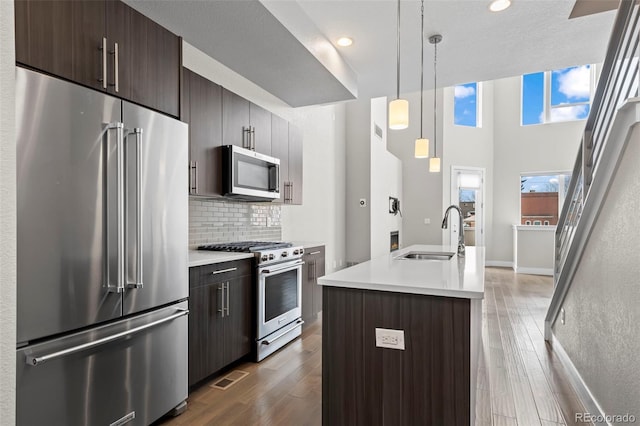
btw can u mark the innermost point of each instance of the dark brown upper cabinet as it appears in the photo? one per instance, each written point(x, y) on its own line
point(245, 124)
point(294, 195)
point(280, 149)
point(286, 144)
point(105, 45)
point(202, 107)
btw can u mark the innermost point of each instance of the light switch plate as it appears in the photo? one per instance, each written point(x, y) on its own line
point(388, 338)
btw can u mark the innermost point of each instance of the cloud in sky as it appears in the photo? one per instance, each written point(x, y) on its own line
point(464, 91)
point(575, 112)
point(574, 82)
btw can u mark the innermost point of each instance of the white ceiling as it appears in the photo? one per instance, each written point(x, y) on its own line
point(254, 39)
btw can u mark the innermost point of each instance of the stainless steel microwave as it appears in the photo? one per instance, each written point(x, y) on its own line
point(249, 175)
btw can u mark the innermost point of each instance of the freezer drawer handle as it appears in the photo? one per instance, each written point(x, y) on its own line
point(296, 325)
point(37, 360)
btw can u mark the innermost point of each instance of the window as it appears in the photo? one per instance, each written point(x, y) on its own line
point(466, 110)
point(542, 196)
point(559, 95)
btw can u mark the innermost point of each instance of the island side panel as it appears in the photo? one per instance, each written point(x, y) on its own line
point(427, 383)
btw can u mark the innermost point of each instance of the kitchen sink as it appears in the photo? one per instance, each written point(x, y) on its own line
point(427, 255)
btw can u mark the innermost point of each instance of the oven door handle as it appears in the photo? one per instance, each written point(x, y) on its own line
point(285, 268)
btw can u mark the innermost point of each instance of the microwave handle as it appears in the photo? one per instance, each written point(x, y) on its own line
point(276, 186)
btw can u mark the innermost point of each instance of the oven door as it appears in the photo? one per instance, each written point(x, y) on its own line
point(279, 296)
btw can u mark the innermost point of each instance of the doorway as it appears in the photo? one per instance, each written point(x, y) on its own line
point(467, 191)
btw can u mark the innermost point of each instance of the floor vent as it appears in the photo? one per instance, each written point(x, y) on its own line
point(230, 379)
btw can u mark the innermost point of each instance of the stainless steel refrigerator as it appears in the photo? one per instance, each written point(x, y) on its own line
point(102, 257)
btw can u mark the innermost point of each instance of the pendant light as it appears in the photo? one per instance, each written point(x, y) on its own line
point(422, 145)
point(398, 108)
point(434, 162)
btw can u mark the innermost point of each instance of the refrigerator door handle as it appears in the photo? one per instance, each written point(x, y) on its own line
point(139, 218)
point(120, 278)
point(35, 360)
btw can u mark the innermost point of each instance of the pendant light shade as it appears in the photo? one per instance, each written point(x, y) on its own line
point(434, 162)
point(398, 108)
point(399, 114)
point(422, 148)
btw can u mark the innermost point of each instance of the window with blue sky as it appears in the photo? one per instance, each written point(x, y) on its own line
point(466, 105)
point(559, 95)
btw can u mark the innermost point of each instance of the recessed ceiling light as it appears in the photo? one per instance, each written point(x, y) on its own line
point(345, 41)
point(499, 5)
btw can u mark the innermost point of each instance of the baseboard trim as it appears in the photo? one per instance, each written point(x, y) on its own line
point(498, 263)
point(534, 271)
point(591, 406)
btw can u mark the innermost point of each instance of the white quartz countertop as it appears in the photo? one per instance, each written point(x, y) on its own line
point(307, 244)
point(204, 257)
point(456, 277)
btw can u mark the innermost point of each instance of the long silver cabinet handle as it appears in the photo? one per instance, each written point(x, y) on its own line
point(276, 337)
point(253, 138)
point(222, 271)
point(119, 287)
point(268, 271)
point(314, 252)
point(116, 68)
point(139, 217)
point(246, 137)
point(221, 291)
point(227, 304)
point(35, 360)
point(104, 63)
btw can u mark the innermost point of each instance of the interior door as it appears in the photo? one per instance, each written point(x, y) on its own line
point(65, 167)
point(156, 205)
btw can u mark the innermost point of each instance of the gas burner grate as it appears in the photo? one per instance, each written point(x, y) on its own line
point(246, 246)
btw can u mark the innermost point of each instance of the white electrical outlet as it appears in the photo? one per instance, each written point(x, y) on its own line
point(392, 339)
point(562, 316)
point(363, 202)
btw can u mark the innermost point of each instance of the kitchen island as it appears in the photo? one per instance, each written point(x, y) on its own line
point(401, 339)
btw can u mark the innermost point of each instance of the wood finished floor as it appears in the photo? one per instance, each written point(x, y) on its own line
point(520, 381)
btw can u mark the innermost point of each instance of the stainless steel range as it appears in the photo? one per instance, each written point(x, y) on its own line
point(279, 291)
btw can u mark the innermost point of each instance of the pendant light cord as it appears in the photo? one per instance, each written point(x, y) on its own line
point(421, 66)
point(398, 58)
point(435, 92)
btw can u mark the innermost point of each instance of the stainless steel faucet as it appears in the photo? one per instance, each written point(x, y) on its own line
point(445, 222)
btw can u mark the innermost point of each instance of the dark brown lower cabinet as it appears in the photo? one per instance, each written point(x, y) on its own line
point(313, 268)
point(428, 383)
point(221, 317)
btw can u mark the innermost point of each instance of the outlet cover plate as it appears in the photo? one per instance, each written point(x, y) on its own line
point(388, 338)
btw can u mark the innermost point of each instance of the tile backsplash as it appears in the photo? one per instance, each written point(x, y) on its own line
point(220, 221)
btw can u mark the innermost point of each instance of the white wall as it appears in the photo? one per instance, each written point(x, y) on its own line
point(520, 149)
point(322, 216)
point(386, 181)
point(601, 333)
point(470, 147)
point(422, 191)
point(7, 214)
point(358, 179)
point(533, 251)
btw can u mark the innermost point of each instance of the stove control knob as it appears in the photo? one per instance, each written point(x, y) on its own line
point(296, 252)
point(285, 254)
point(301, 251)
point(271, 257)
point(264, 258)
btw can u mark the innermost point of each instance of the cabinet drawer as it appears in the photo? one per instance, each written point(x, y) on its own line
point(223, 271)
